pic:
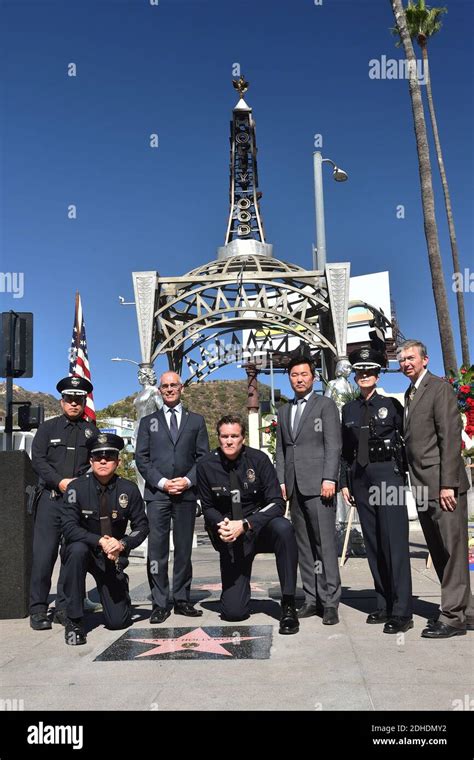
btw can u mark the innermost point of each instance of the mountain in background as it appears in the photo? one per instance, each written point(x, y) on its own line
point(212, 399)
point(52, 407)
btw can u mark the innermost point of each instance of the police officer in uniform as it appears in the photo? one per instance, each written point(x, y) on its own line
point(59, 455)
point(244, 514)
point(96, 510)
point(373, 474)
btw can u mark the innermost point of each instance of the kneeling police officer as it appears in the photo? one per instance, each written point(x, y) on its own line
point(244, 514)
point(373, 473)
point(97, 509)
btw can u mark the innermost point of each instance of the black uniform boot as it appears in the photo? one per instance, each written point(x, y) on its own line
point(289, 619)
point(74, 632)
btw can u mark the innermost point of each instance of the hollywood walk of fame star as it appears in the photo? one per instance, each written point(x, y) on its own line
point(196, 640)
point(218, 587)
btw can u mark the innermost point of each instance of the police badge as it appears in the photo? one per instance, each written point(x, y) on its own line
point(123, 500)
point(87, 432)
point(382, 412)
point(75, 381)
point(250, 475)
point(364, 354)
point(102, 438)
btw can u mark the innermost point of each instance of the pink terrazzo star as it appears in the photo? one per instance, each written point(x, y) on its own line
point(196, 640)
point(218, 587)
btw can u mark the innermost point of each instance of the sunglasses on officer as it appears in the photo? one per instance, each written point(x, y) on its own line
point(109, 456)
point(73, 398)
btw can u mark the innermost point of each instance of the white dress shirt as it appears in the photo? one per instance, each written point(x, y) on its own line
point(179, 413)
point(294, 407)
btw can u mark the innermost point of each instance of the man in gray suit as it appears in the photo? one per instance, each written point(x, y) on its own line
point(432, 430)
point(169, 443)
point(307, 464)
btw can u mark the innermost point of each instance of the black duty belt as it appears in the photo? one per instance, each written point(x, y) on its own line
point(381, 450)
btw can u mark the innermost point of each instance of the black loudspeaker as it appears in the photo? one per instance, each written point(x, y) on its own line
point(30, 417)
point(16, 340)
point(16, 534)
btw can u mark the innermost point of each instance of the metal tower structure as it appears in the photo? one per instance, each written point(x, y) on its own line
point(197, 319)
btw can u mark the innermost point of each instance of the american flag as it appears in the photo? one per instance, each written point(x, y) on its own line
point(78, 359)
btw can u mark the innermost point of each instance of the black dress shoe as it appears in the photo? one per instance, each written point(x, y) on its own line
point(184, 608)
point(330, 616)
point(307, 610)
point(159, 615)
point(379, 616)
point(398, 624)
point(60, 616)
point(39, 621)
point(442, 631)
point(74, 633)
point(431, 622)
point(289, 620)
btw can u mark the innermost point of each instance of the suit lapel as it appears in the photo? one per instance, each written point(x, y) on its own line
point(286, 419)
point(183, 423)
point(164, 422)
point(306, 411)
point(419, 392)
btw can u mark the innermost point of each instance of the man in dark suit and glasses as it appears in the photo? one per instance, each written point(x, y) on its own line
point(432, 431)
point(169, 443)
point(307, 464)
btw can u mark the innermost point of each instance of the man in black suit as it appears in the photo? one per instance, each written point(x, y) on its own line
point(169, 443)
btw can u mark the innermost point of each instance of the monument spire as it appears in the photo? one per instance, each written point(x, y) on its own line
point(245, 233)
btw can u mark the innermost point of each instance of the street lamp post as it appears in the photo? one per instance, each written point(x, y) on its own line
point(339, 175)
point(119, 359)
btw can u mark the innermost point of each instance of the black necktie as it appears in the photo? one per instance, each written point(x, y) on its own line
point(298, 413)
point(363, 449)
point(105, 521)
point(173, 425)
point(71, 444)
point(237, 513)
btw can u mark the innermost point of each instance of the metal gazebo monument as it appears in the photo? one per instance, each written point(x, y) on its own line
point(244, 291)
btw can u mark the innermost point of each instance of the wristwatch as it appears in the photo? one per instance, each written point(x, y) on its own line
point(246, 525)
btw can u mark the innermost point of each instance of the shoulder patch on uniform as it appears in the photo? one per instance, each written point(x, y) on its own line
point(87, 432)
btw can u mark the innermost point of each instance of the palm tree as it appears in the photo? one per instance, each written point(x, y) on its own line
point(423, 23)
point(427, 196)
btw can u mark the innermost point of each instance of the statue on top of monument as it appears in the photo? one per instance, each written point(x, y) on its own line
point(147, 401)
point(338, 388)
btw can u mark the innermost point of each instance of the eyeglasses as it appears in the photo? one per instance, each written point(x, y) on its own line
point(109, 456)
point(171, 386)
point(71, 398)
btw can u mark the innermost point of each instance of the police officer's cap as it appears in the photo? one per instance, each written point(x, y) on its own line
point(105, 442)
point(366, 358)
point(74, 386)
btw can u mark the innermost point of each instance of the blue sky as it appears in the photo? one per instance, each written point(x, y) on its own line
point(167, 69)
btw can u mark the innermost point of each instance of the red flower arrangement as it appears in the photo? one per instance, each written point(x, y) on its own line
point(463, 386)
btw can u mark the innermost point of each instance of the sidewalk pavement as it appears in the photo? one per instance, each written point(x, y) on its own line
point(350, 666)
